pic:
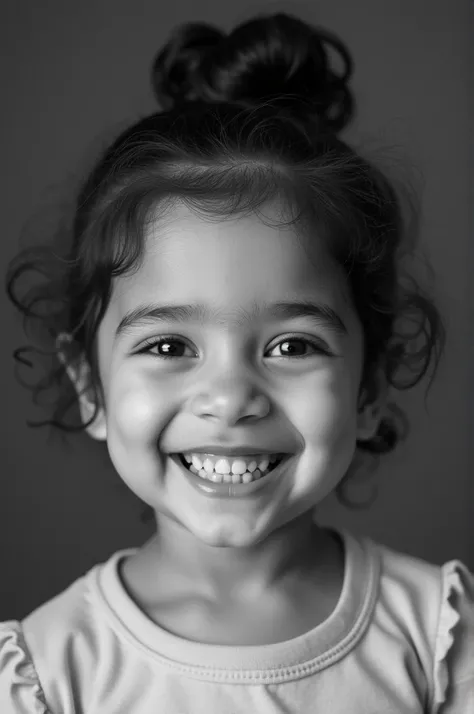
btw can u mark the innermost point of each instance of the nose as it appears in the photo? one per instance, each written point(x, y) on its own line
point(230, 400)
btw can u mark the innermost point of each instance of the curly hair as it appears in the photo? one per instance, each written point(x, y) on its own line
point(245, 118)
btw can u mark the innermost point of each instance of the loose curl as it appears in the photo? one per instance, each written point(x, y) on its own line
point(246, 118)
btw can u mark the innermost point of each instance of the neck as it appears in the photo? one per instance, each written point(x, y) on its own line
point(242, 573)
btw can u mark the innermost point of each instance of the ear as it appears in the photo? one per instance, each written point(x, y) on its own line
point(78, 371)
point(372, 402)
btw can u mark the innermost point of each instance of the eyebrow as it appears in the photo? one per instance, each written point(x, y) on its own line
point(319, 314)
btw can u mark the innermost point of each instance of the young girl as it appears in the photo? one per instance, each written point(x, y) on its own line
point(230, 313)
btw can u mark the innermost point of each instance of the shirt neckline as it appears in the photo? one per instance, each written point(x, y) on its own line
point(300, 656)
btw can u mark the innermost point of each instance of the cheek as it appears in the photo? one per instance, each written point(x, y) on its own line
point(134, 424)
point(134, 409)
point(325, 410)
point(327, 422)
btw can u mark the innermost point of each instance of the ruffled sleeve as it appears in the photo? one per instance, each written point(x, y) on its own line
point(20, 689)
point(454, 645)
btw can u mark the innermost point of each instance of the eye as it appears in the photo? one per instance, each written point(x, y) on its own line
point(166, 347)
point(294, 347)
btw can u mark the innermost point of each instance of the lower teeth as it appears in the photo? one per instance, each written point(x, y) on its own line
point(228, 478)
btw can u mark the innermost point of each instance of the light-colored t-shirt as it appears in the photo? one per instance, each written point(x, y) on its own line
point(400, 641)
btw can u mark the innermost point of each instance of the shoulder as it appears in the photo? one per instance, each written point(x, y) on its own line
point(58, 641)
point(410, 587)
point(432, 606)
point(58, 619)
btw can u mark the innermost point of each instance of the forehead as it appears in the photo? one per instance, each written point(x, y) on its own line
point(229, 261)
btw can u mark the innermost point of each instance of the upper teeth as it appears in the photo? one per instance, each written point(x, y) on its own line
point(230, 464)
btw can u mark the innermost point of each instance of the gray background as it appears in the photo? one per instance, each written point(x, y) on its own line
point(75, 73)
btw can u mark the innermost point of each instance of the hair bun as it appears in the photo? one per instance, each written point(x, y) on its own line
point(175, 67)
point(278, 58)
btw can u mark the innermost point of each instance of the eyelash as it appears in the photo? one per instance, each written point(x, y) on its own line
point(149, 344)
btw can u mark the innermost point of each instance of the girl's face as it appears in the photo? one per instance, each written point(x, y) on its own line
point(239, 376)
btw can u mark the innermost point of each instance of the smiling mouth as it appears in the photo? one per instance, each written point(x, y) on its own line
point(252, 473)
point(230, 489)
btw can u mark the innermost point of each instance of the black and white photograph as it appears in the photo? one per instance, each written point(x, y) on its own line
point(237, 363)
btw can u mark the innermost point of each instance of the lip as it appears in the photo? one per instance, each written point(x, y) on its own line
point(233, 450)
point(231, 490)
